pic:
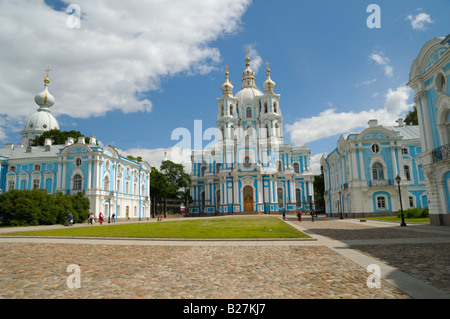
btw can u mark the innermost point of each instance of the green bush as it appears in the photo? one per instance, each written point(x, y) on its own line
point(415, 213)
point(36, 207)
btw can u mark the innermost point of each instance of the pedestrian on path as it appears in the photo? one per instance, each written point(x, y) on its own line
point(113, 218)
point(91, 218)
point(70, 219)
point(312, 215)
point(284, 214)
point(100, 218)
point(299, 215)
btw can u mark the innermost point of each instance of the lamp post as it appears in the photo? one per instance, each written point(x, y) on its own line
point(340, 204)
point(397, 180)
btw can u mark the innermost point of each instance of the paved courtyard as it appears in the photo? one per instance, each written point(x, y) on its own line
point(326, 268)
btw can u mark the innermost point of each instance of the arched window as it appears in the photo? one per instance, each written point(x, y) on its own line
point(231, 109)
point(77, 182)
point(298, 196)
point(377, 171)
point(267, 130)
point(276, 129)
point(248, 112)
point(247, 161)
point(265, 107)
point(203, 170)
point(280, 166)
point(280, 197)
point(296, 168)
point(275, 107)
point(218, 200)
point(106, 183)
point(221, 110)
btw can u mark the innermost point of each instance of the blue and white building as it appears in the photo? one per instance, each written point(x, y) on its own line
point(113, 183)
point(360, 173)
point(429, 77)
point(250, 168)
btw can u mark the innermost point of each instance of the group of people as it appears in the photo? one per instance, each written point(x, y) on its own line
point(91, 219)
point(313, 214)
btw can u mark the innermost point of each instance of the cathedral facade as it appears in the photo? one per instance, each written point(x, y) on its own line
point(114, 184)
point(250, 168)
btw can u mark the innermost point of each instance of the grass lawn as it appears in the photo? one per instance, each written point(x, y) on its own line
point(242, 227)
point(399, 219)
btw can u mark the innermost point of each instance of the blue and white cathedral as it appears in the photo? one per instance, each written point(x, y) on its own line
point(114, 184)
point(250, 169)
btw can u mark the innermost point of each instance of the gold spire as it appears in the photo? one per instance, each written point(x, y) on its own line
point(267, 70)
point(247, 58)
point(47, 80)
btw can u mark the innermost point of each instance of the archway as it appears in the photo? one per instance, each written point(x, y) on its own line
point(248, 198)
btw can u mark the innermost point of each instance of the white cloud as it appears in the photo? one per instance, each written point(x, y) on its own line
point(314, 162)
point(329, 122)
point(255, 60)
point(367, 82)
point(380, 59)
point(122, 50)
point(419, 21)
point(155, 156)
point(397, 100)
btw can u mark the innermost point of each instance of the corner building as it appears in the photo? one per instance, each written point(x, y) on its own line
point(360, 172)
point(250, 169)
point(429, 77)
point(113, 183)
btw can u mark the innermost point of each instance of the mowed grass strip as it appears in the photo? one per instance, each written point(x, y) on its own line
point(213, 228)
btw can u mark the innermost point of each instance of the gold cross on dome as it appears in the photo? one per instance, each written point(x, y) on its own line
point(246, 51)
point(48, 70)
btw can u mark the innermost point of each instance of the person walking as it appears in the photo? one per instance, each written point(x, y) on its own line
point(100, 218)
point(91, 218)
point(284, 214)
point(113, 218)
point(299, 215)
point(70, 219)
point(312, 215)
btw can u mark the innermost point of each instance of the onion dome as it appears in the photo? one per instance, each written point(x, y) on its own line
point(227, 87)
point(248, 75)
point(42, 119)
point(269, 85)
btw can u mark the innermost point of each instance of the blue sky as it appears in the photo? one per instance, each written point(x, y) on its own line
point(135, 71)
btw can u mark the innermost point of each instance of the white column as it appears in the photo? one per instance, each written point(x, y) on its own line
point(394, 162)
point(361, 163)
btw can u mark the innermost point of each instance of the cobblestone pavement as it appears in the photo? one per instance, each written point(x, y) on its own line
point(429, 262)
point(309, 270)
point(39, 271)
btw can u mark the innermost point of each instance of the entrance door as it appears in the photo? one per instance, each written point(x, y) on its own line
point(248, 198)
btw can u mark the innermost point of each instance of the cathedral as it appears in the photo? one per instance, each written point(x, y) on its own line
point(114, 184)
point(250, 169)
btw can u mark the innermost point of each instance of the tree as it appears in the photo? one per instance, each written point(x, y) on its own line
point(177, 178)
point(319, 190)
point(36, 207)
point(58, 137)
point(411, 118)
point(136, 159)
point(159, 188)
